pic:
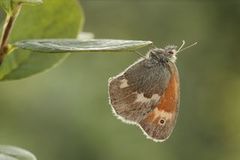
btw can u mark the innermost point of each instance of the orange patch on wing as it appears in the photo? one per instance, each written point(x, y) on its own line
point(153, 116)
point(169, 99)
point(150, 117)
point(156, 120)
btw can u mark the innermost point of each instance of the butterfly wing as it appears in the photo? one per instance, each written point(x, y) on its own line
point(137, 93)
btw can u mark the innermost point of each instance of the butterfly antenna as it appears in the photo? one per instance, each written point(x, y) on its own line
point(183, 43)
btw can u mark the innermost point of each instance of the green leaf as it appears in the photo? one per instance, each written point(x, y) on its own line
point(15, 153)
point(74, 45)
point(51, 20)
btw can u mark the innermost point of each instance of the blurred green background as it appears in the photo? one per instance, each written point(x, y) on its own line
point(64, 114)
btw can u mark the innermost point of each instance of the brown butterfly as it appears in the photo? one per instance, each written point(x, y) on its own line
point(147, 93)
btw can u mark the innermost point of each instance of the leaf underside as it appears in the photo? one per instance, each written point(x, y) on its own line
point(74, 45)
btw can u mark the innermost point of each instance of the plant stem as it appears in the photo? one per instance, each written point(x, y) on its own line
point(7, 28)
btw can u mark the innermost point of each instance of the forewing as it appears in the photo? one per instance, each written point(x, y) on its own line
point(136, 92)
point(160, 122)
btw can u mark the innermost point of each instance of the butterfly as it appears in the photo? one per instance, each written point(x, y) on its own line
point(147, 93)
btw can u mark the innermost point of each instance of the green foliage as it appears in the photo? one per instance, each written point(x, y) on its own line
point(15, 153)
point(41, 22)
point(73, 45)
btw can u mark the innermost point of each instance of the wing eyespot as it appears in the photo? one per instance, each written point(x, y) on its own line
point(162, 121)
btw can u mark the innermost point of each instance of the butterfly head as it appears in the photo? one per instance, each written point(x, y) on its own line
point(168, 53)
point(164, 55)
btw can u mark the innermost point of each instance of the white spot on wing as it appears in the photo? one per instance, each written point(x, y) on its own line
point(124, 83)
point(140, 98)
point(155, 97)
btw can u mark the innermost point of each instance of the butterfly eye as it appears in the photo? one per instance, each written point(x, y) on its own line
point(170, 52)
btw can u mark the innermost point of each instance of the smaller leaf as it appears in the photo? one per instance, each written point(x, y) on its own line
point(5, 157)
point(15, 153)
point(74, 45)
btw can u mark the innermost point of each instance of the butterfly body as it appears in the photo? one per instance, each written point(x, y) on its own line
point(147, 93)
